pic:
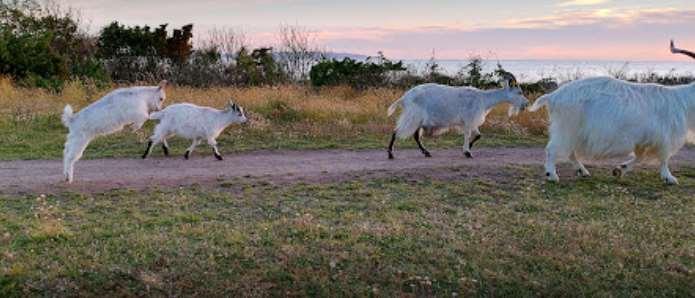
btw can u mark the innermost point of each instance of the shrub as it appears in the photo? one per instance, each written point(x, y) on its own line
point(44, 47)
point(137, 53)
point(257, 68)
point(358, 74)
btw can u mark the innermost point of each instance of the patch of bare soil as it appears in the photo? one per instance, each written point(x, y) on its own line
point(45, 176)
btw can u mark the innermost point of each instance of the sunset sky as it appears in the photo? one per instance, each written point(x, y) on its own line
point(409, 29)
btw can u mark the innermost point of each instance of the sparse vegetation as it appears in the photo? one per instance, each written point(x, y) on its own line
point(501, 235)
point(412, 235)
point(282, 117)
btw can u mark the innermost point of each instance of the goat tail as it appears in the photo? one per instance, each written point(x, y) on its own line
point(67, 116)
point(539, 103)
point(409, 122)
point(394, 106)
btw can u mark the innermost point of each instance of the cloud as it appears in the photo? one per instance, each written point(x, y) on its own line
point(596, 34)
point(615, 17)
point(582, 3)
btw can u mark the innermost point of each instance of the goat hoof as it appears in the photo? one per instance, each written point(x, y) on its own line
point(427, 154)
point(219, 157)
point(552, 177)
point(468, 154)
point(581, 173)
point(617, 172)
point(187, 155)
point(670, 180)
point(390, 155)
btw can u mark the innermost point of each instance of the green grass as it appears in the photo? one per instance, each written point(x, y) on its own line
point(513, 236)
point(43, 137)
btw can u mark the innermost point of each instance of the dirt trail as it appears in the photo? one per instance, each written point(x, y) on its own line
point(273, 166)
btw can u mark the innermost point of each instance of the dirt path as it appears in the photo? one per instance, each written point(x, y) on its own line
point(273, 166)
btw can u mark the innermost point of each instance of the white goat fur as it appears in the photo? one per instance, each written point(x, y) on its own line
point(121, 107)
point(438, 108)
point(607, 118)
point(194, 123)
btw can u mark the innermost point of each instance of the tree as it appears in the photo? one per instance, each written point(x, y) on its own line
point(141, 53)
point(297, 52)
point(226, 41)
point(179, 47)
point(117, 40)
point(42, 45)
point(257, 68)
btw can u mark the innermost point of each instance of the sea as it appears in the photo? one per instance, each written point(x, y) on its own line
point(565, 70)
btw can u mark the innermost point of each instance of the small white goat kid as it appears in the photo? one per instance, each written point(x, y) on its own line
point(194, 123)
point(606, 118)
point(121, 107)
point(433, 109)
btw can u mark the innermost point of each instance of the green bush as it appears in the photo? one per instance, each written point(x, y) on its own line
point(257, 68)
point(354, 73)
point(43, 48)
point(133, 54)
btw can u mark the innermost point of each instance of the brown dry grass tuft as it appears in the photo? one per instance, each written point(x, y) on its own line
point(325, 109)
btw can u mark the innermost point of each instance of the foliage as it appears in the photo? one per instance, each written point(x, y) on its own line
point(257, 68)
point(118, 40)
point(44, 47)
point(140, 53)
point(471, 74)
point(358, 74)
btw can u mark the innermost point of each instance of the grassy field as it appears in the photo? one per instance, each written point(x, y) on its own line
point(503, 236)
point(507, 234)
point(287, 117)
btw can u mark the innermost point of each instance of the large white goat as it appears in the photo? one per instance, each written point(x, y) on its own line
point(121, 107)
point(608, 118)
point(194, 123)
point(433, 109)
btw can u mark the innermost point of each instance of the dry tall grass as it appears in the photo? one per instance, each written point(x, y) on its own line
point(304, 109)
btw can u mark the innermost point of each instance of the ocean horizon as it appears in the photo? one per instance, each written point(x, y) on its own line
point(564, 70)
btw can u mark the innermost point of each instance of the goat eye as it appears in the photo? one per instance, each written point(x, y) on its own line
point(161, 99)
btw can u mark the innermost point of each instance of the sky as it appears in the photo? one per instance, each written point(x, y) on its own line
point(623, 30)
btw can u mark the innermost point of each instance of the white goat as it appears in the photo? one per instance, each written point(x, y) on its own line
point(194, 123)
point(121, 107)
point(433, 109)
point(606, 118)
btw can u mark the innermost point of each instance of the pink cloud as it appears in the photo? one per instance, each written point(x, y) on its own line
point(586, 34)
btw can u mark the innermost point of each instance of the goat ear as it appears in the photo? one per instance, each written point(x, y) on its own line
point(163, 84)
